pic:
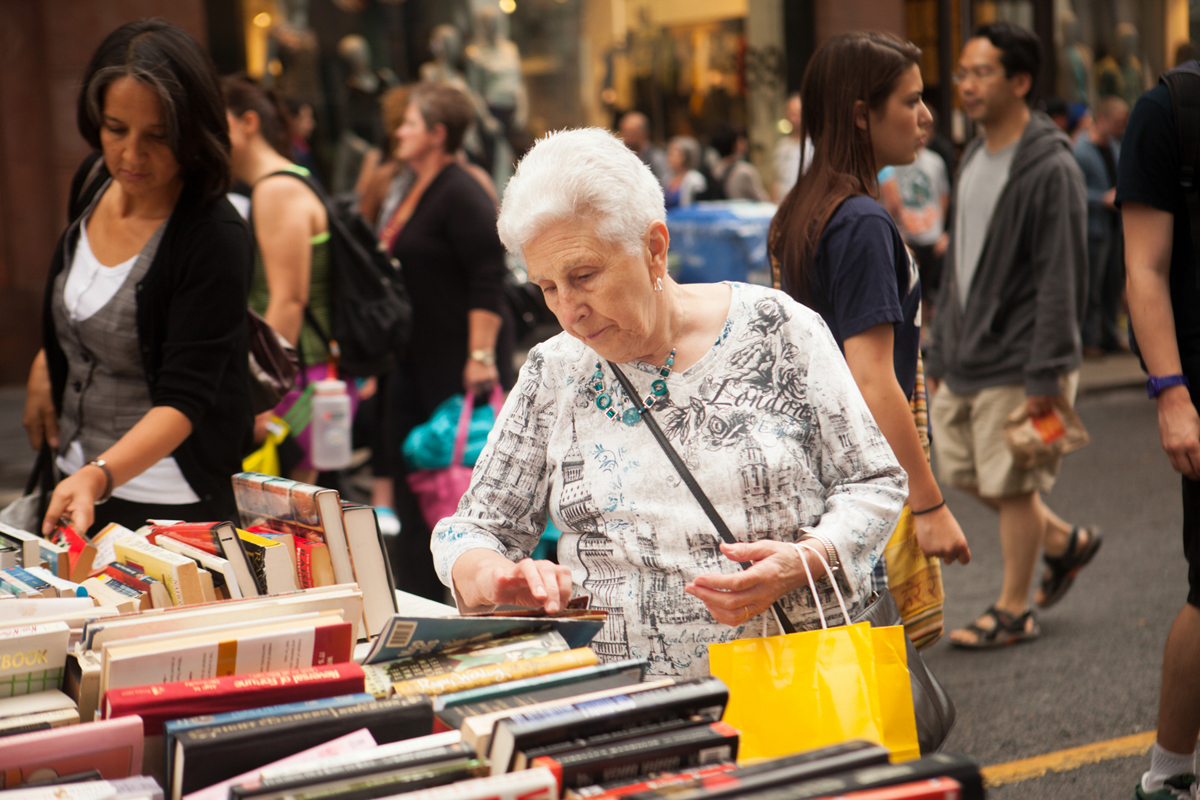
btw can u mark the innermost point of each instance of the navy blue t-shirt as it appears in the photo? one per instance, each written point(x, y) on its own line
point(863, 276)
point(1148, 173)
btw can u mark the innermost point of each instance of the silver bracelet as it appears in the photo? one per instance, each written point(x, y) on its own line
point(108, 480)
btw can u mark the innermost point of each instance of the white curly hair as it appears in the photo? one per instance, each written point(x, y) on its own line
point(583, 175)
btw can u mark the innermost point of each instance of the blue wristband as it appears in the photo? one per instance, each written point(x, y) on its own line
point(1155, 385)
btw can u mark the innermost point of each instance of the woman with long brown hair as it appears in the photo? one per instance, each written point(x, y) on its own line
point(840, 253)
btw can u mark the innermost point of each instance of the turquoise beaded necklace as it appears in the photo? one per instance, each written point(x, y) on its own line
point(632, 415)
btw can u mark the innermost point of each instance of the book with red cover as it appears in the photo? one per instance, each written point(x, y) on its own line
point(931, 789)
point(77, 548)
point(158, 702)
point(111, 748)
point(197, 534)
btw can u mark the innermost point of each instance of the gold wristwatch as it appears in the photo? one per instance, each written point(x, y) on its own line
point(485, 357)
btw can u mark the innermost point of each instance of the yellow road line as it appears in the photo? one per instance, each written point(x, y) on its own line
point(1067, 760)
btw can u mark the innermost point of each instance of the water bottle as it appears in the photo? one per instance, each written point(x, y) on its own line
point(330, 425)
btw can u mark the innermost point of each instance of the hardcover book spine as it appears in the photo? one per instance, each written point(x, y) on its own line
point(182, 699)
point(530, 784)
point(207, 755)
point(707, 696)
point(690, 747)
point(614, 790)
point(304, 565)
point(497, 673)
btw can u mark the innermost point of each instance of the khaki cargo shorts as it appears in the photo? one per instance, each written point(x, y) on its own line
point(968, 437)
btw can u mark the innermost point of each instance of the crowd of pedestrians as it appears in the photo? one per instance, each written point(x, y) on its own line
point(971, 290)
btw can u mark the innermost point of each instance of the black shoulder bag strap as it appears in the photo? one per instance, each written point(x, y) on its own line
point(1183, 83)
point(690, 480)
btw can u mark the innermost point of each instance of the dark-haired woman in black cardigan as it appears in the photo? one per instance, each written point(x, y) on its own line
point(142, 387)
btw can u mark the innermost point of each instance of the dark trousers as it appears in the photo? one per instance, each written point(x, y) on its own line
point(1191, 537)
point(1106, 280)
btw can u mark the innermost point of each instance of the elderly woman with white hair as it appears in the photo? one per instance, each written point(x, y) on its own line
point(750, 389)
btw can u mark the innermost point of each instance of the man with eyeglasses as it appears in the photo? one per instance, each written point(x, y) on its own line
point(1006, 332)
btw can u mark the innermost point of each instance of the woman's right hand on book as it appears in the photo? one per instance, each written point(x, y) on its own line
point(484, 578)
point(40, 419)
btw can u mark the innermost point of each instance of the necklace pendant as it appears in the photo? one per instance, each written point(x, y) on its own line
point(631, 416)
point(603, 401)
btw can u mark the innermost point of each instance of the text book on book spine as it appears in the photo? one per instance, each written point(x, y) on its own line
point(32, 657)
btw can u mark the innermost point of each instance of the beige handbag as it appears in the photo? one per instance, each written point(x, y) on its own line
point(1039, 440)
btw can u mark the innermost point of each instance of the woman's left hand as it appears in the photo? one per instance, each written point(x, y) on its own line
point(75, 496)
point(734, 599)
point(479, 377)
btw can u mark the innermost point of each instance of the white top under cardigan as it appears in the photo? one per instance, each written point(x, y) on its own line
point(772, 426)
point(89, 287)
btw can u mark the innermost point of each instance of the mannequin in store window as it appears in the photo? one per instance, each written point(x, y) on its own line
point(1121, 73)
point(1075, 67)
point(445, 42)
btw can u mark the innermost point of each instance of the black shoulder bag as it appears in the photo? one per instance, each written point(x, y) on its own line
point(932, 706)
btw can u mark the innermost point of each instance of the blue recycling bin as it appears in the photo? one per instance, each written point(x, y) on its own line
point(722, 240)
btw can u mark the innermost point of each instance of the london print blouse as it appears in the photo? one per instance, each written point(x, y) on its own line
point(769, 421)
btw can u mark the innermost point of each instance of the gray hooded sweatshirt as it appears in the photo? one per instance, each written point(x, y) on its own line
point(1020, 325)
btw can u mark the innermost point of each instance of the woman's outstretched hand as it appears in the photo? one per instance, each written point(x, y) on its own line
point(486, 578)
point(776, 569)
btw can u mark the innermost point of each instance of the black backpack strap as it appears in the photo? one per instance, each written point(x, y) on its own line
point(1183, 83)
point(315, 188)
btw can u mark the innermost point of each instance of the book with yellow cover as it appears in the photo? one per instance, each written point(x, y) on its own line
point(179, 573)
point(497, 673)
point(270, 562)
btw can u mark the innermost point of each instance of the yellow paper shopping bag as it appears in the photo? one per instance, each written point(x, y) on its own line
point(804, 690)
point(896, 712)
point(799, 691)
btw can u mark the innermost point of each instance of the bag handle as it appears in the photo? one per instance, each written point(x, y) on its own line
point(496, 401)
point(723, 531)
point(812, 584)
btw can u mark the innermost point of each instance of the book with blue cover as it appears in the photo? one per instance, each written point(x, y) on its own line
point(405, 637)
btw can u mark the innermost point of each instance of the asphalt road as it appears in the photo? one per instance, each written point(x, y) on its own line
point(1094, 674)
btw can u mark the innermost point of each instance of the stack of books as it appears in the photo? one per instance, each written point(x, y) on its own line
point(203, 661)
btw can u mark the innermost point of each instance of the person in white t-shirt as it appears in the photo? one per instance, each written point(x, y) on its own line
point(790, 158)
point(924, 192)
